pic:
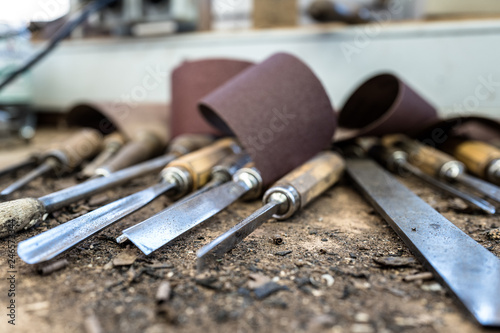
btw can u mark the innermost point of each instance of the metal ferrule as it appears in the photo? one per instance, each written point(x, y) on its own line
point(102, 172)
point(451, 170)
point(289, 197)
point(493, 171)
point(252, 178)
point(395, 159)
point(179, 176)
point(59, 156)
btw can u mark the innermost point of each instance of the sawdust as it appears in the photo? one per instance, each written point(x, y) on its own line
point(338, 235)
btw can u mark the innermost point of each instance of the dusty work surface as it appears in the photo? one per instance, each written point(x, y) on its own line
point(332, 272)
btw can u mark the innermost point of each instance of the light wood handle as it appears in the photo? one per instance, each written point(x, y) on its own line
point(146, 145)
point(315, 176)
point(200, 163)
point(115, 139)
point(430, 160)
point(81, 146)
point(476, 155)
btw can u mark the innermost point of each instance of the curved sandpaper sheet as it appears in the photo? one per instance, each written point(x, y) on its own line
point(127, 119)
point(191, 81)
point(382, 105)
point(279, 111)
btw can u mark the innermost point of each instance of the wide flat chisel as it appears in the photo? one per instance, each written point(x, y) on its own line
point(480, 158)
point(441, 165)
point(471, 272)
point(24, 213)
point(63, 158)
point(169, 224)
point(178, 178)
point(290, 194)
point(396, 159)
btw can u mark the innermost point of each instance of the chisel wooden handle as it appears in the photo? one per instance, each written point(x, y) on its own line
point(144, 146)
point(81, 146)
point(307, 182)
point(186, 143)
point(199, 164)
point(430, 160)
point(479, 157)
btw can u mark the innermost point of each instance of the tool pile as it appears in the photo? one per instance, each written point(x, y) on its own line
point(270, 137)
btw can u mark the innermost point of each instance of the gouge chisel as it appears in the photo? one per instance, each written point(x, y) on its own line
point(396, 159)
point(221, 173)
point(440, 165)
point(480, 158)
point(290, 194)
point(145, 145)
point(112, 144)
point(22, 214)
point(63, 158)
point(178, 178)
point(167, 225)
point(467, 269)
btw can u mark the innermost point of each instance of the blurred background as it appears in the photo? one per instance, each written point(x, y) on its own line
point(445, 49)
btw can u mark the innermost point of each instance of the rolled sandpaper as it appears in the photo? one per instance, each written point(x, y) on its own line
point(279, 111)
point(191, 81)
point(382, 105)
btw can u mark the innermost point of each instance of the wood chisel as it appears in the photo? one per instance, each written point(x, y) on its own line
point(471, 272)
point(440, 165)
point(167, 225)
point(396, 160)
point(480, 158)
point(29, 162)
point(112, 144)
point(290, 194)
point(221, 173)
point(181, 176)
point(145, 145)
point(24, 213)
point(64, 158)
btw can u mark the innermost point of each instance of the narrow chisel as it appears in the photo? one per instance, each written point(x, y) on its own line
point(64, 158)
point(178, 178)
point(281, 201)
point(167, 225)
point(441, 165)
point(22, 214)
point(396, 159)
point(480, 158)
point(112, 144)
point(470, 271)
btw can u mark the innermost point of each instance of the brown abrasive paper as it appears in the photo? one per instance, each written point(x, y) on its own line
point(279, 111)
point(384, 104)
point(191, 81)
point(129, 120)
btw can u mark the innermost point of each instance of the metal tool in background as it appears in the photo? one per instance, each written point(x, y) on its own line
point(220, 174)
point(396, 160)
point(441, 165)
point(17, 121)
point(290, 194)
point(112, 144)
point(169, 224)
point(144, 146)
point(63, 158)
point(466, 268)
point(480, 158)
point(181, 176)
point(24, 213)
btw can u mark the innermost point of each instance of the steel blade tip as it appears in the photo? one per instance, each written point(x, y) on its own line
point(143, 247)
point(121, 239)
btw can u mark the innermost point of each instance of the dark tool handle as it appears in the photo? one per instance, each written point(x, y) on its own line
point(476, 155)
point(199, 164)
point(146, 145)
point(184, 144)
point(81, 146)
point(308, 181)
point(430, 160)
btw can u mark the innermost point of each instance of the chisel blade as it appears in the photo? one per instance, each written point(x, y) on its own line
point(489, 190)
point(469, 271)
point(167, 225)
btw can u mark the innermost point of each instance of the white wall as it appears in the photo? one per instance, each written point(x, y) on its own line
point(442, 60)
